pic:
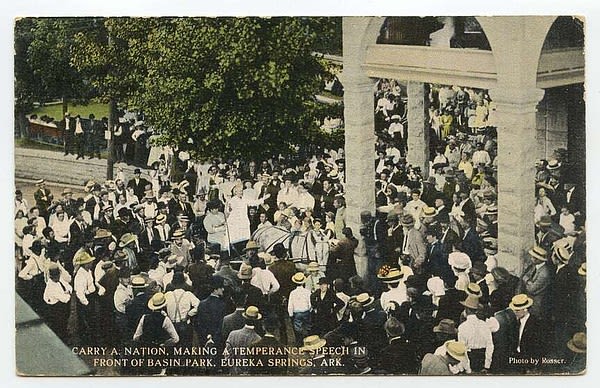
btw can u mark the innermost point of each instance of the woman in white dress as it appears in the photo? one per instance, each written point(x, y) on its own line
point(236, 208)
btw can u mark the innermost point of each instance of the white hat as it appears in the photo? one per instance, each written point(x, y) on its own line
point(459, 260)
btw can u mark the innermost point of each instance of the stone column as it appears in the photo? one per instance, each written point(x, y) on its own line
point(359, 128)
point(516, 112)
point(418, 134)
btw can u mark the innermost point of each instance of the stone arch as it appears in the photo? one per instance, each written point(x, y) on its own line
point(516, 40)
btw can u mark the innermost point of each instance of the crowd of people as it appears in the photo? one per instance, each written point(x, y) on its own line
point(170, 258)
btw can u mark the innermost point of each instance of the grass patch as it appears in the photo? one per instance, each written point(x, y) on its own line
point(55, 110)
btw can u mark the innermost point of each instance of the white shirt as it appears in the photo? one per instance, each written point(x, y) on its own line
point(84, 285)
point(476, 334)
point(98, 274)
point(181, 304)
point(397, 295)
point(57, 292)
point(265, 280)
point(299, 301)
point(522, 323)
point(35, 265)
point(123, 296)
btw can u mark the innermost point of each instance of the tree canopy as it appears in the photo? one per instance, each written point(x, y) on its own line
point(215, 87)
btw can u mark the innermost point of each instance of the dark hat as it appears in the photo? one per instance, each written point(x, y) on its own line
point(124, 212)
point(545, 221)
point(446, 326)
point(324, 280)
point(479, 268)
point(217, 281)
point(137, 171)
point(279, 250)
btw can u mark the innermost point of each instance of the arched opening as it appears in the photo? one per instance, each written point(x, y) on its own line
point(439, 31)
point(561, 115)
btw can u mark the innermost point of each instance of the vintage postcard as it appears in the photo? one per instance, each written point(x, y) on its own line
point(300, 196)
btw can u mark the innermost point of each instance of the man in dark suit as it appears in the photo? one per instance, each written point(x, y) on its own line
point(272, 365)
point(77, 230)
point(181, 205)
point(327, 197)
point(394, 239)
point(211, 311)
point(138, 184)
point(562, 296)
point(530, 332)
point(235, 320)
point(399, 357)
point(68, 128)
point(471, 243)
point(436, 260)
point(43, 198)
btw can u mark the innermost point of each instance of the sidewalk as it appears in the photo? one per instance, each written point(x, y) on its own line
point(32, 164)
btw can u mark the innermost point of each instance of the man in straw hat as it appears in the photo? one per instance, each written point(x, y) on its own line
point(529, 343)
point(253, 295)
point(536, 280)
point(241, 338)
point(413, 245)
point(155, 328)
point(475, 334)
point(299, 306)
point(85, 290)
point(181, 306)
point(439, 365)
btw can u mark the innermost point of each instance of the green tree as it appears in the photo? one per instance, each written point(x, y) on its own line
point(49, 56)
point(232, 87)
point(25, 81)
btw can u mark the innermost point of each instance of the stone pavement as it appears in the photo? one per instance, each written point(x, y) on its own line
point(31, 164)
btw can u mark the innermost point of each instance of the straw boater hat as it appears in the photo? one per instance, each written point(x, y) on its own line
point(562, 254)
point(157, 302)
point(520, 302)
point(456, 349)
point(578, 343)
point(299, 278)
point(67, 191)
point(365, 299)
point(39, 182)
point(138, 282)
point(171, 261)
point(390, 275)
point(252, 313)
point(127, 239)
point(472, 302)
point(553, 164)
point(313, 266)
point(539, 253)
point(179, 233)
point(474, 290)
point(446, 326)
point(83, 257)
point(313, 342)
point(245, 272)
point(429, 211)
point(251, 244)
point(160, 218)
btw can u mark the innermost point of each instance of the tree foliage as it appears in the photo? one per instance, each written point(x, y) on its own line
point(235, 86)
point(49, 57)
